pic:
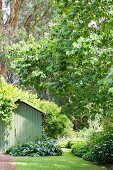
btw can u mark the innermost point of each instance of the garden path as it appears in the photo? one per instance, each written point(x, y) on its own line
point(7, 162)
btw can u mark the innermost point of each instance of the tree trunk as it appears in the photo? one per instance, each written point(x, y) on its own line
point(8, 29)
point(0, 12)
point(2, 69)
point(9, 24)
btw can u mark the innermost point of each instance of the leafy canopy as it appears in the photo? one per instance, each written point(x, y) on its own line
point(72, 63)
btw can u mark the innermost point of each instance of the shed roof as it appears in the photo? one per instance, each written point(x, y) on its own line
point(20, 101)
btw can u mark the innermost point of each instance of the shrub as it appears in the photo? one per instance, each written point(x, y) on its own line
point(40, 148)
point(101, 146)
point(56, 126)
point(79, 148)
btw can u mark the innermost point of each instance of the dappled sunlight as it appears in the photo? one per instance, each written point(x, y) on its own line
point(19, 163)
point(65, 162)
point(85, 164)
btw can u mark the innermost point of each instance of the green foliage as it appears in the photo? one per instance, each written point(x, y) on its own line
point(95, 125)
point(6, 109)
point(69, 137)
point(29, 63)
point(54, 123)
point(79, 148)
point(72, 137)
point(67, 142)
point(55, 127)
point(72, 63)
point(40, 148)
point(101, 146)
point(97, 146)
point(7, 104)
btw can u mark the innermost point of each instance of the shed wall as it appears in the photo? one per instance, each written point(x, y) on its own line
point(26, 126)
point(28, 123)
point(7, 136)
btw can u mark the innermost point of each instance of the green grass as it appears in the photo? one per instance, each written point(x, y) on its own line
point(65, 162)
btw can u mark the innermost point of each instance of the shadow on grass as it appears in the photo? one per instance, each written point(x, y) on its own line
point(65, 162)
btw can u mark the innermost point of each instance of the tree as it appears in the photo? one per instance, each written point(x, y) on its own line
point(72, 62)
point(18, 19)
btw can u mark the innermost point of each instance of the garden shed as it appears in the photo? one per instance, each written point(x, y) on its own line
point(26, 126)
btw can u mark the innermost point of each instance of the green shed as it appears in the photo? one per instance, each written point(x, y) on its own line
point(26, 126)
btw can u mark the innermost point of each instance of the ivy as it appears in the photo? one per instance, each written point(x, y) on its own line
point(7, 105)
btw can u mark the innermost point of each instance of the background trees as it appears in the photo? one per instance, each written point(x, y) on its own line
point(72, 63)
point(22, 14)
point(20, 18)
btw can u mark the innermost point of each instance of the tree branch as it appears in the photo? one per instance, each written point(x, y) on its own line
point(30, 17)
point(15, 9)
point(37, 20)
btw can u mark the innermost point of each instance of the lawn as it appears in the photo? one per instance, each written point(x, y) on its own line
point(65, 162)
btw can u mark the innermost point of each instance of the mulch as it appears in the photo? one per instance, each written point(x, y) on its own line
point(7, 162)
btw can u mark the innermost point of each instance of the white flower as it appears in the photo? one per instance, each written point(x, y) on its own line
point(92, 24)
point(102, 20)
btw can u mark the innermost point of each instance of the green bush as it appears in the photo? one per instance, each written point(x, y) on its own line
point(56, 126)
point(79, 148)
point(101, 146)
point(40, 148)
point(7, 104)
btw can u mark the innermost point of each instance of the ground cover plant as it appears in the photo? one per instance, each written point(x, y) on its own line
point(43, 147)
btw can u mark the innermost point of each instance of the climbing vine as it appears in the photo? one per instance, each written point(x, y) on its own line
point(7, 105)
